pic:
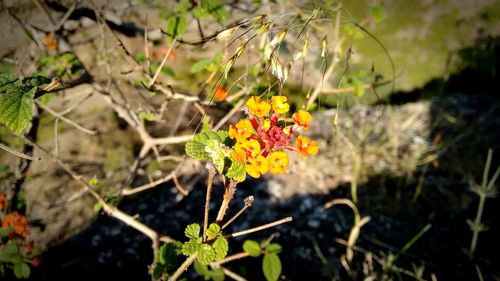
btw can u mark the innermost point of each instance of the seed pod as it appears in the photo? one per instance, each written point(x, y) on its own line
point(277, 40)
point(324, 49)
point(230, 64)
point(303, 52)
point(263, 27)
point(240, 50)
point(258, 19)
point(227, 33)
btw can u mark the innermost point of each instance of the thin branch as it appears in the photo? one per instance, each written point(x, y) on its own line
point(233, 275)
point(184, 266)
point(15, 152)
point(66, 120)
point(211, 175)
point(248, 203)
point(259, 228)
point(179, 187)
point(233, 111)
point(171, 140)
point(152, 82)
point(130, 191)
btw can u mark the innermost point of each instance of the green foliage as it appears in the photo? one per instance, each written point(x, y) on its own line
point(16, 100)
point(206, 253)
point(377, 12)
point(236, 171)
point(216, 9)
point(10, 254)
point(166, 259)
point(210, 64)
point(193, 231)
point(176, 26)
point(203, 270)
point(213, 230)
point(21, 270)
point(271, 266)
point(252, 248)
point(60, 64)
point(273, 248)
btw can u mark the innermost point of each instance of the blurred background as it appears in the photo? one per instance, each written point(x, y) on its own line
point(406, 112)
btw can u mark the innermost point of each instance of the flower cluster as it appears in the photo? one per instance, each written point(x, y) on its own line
point(17, 222)
point(263, 137)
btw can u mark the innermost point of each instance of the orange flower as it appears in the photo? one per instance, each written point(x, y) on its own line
point(3, 201)
point(159, 54)
point(306, 147)
point(257, 107)
point(302, 118)
point(241, 131)
point(17, 222)
point(257, 166)
point(221, 93)
point(279, 104)
point(278, 161)
point(251, 147)
point(50, 42)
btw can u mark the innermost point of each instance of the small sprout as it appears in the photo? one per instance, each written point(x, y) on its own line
point(227, 33)
point(324, 49)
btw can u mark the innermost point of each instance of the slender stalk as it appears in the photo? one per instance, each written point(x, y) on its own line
point(262, 227)
point(477, 222)
point(152, 82)
point(228, 196)
point(184, 266)
point(248, 203)
point(211, 175)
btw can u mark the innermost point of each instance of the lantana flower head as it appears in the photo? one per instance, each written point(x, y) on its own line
point(17, 222)
point(265, 135)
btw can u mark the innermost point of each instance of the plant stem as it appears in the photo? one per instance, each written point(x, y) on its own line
point(248, 203)
point(477, 222)
point(211, 175)
point(228, 196)
point(184, 266)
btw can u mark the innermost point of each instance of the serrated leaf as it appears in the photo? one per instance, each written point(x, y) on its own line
point(176, 26)
point(216, 9)
point(236, 171)
point(206, 254)
point(200, 65)
point(252, 248)
point(183, 6)
point(192, 231)
point(16, 109)
point(273, 248)
point(21, 270)
point(9, 252)
point(190, 247)
point(213, 230)
point(271, 266)
point(196, 150)
point(221, 247)
point(196, 147)
point(216, 154)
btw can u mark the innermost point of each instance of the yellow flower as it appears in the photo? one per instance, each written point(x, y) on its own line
point(306, 147)
point(267, 124)
point(302, 118)
point(241, 131)
point(251, 147)
point(278, 161)
point(257, 166)
point(279, 104)
point(257, 107)
point(238, 154)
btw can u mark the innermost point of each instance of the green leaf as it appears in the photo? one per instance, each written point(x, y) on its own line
point(271, 266)
point(167, 256)
point(377, 12)
point(196, 147)
point(236, 171)
point(21, 270)
point(16, 109)
point(273, 248)
point(97, 207)
point(221, 247)
point(176, 26)
point(216, 154)
point(9, 252)
point(200, 65)
point(206, 254)
point(217, 275)
point(183, 6)
point(216, 9)
point(200, 268)
point(192, 231)
point(252, 248)
point(4, 232)
point(199, 12)
point(213, 230)
point(190, 247)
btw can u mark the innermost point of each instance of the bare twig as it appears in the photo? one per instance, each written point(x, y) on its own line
point(66, 120)
point(179, 187)
point(228, 196)
point(233, 275)
point(15, 152)
point(248, 203)
point(211, 175)
point(224, 119)
point(130, 191)
point(184, 266)
point(262, 227)
point(152, 82)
